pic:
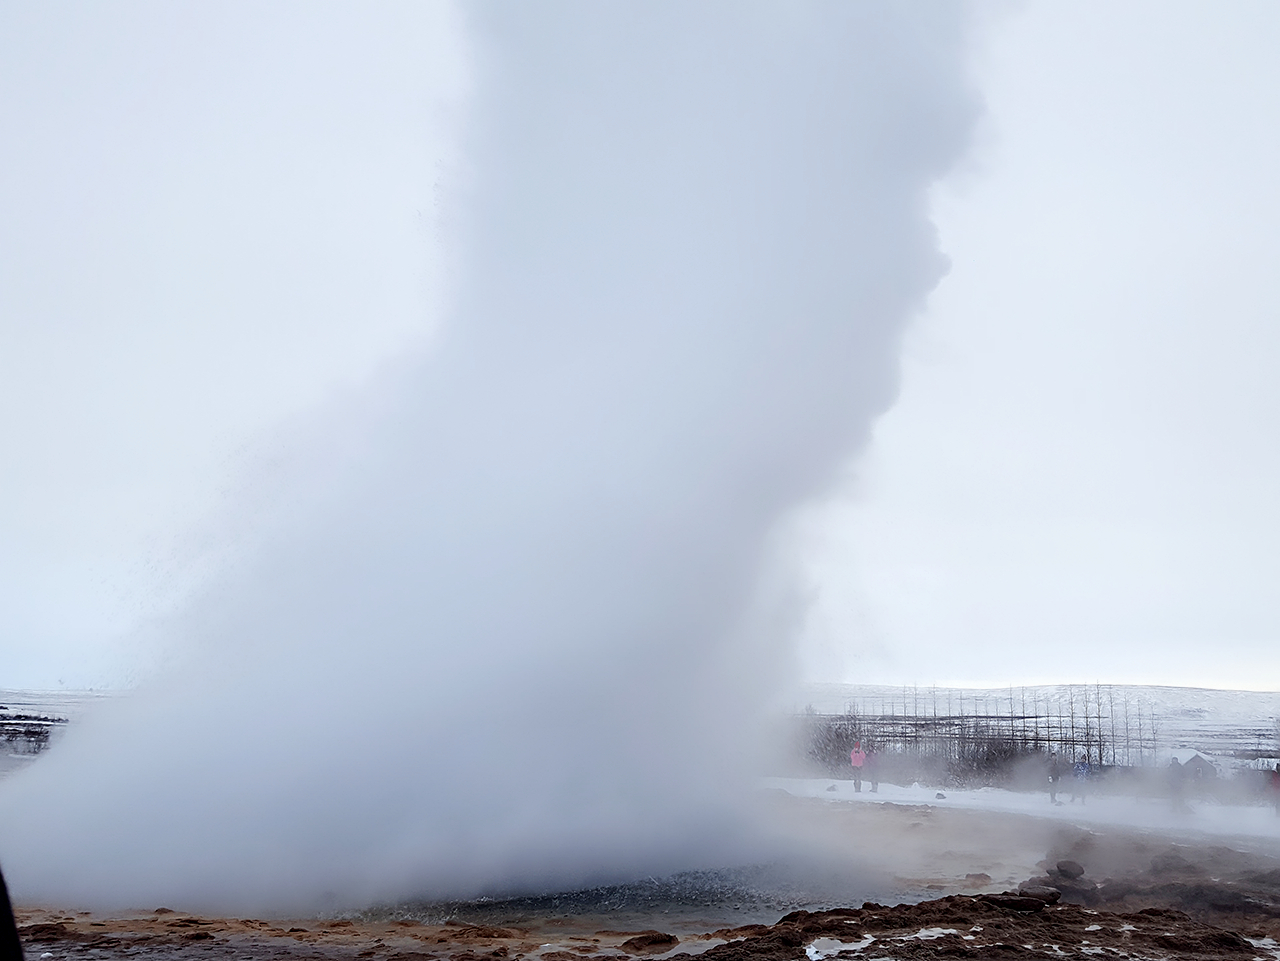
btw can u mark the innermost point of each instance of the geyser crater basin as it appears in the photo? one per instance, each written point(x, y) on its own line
point(549, 556)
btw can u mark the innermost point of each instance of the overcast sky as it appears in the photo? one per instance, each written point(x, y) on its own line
point(1080, 479)
point(215, 216)
point(1077, 483)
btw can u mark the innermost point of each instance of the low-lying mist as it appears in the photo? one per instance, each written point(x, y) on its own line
point(521, 635)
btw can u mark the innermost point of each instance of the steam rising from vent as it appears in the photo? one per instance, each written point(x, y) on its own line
point(521, 638)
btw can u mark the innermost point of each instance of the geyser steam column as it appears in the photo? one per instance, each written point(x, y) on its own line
point(518, 645)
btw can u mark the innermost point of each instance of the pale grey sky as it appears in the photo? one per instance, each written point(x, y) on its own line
point(214, 216)
point(1076, 484)
point(1080, 479)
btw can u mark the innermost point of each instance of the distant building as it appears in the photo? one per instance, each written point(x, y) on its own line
point(1194, 764)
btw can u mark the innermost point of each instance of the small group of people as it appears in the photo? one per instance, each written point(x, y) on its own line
point(865, 764)
point(1176, 778)
point(1080, 774)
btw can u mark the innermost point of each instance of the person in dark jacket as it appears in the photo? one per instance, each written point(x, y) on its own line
point(872, 768)
point(10, 946)
point(1055, 775)
point(1176, 778)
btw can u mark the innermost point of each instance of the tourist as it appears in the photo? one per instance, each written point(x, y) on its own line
point(1177, 777)
point(1055, 775)
point(858, 758)
point(1080, 778)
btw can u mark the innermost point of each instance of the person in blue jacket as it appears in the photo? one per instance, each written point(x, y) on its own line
point(1080, 778)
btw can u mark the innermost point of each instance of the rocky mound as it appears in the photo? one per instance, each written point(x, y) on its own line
point(987, 926)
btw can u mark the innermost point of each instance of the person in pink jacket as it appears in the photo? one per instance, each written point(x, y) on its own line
point(857, 757)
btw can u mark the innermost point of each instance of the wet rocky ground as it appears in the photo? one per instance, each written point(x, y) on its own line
point(958, 926)
point(970, 885)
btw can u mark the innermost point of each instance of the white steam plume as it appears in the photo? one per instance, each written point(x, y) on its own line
point(518, 641)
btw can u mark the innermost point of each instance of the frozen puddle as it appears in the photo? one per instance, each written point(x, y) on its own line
point(1267, 944)
point(829, 947)
point(928, 934)
point(823, 948)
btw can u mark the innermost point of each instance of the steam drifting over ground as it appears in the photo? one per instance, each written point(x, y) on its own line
point(692, 238)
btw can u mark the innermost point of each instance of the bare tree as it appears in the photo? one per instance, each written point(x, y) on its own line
point(1128, 743)
point(1155, 735)
point(1097, 707)
point(1142, 742)
point(1111, 710)
point(1071, 706)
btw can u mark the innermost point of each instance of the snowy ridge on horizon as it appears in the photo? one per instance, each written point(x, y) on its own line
point(1206, 719)
point(65, 703)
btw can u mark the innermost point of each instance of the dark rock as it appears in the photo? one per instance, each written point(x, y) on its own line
point(478, 932)
point(1070, 869)
point(1204, 944)
point(1013, 902)
point(650, 942)
point(46, 933)
point(1115, 889)
point(742, 931)
point(1078, 891)
point(1041, 892)
point(940, 796)
point(1173, 863)
point(42, 933)
point(1215, 897)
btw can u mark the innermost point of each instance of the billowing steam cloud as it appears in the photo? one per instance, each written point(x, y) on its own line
point(518, 638)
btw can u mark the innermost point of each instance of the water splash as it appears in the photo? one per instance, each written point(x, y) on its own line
point(519, 638)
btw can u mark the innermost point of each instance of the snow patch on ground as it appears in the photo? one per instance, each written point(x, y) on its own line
point(1147, 814)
